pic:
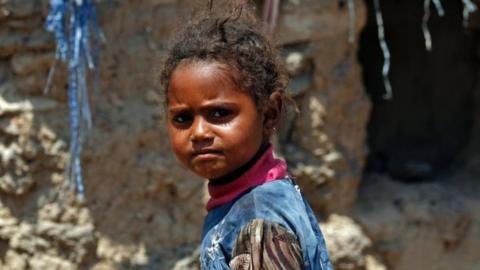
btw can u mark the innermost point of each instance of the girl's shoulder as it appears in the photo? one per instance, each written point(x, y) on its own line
point(274, 196)
point(278, 201)
point(278, 210)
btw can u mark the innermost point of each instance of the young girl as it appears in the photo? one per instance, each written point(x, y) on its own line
point(225, 92)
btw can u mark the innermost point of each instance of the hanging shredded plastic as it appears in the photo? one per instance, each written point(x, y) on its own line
point(468, 7)
point(352, 21)
point(426, 17)
point(77, 35)
point(439, 7)
point(270, 14)
point(386, 52)
point(426, 31)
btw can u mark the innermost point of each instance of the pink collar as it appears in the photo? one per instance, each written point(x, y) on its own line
point(265, 170)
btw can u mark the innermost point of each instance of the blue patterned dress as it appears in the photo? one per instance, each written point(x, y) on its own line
point(281, 211)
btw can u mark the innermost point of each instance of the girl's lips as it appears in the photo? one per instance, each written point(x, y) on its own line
point(206, 157)
point(205, 154)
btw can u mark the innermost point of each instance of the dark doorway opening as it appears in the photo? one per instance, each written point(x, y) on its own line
point(422, 131)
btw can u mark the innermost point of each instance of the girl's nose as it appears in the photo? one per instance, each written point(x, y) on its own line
point(200, 130)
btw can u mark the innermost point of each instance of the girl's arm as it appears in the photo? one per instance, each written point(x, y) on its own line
point(268, 246)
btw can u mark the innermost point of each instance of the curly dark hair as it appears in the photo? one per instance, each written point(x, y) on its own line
point(237, 41)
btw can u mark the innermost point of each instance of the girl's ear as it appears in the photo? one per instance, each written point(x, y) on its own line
point(272, 113)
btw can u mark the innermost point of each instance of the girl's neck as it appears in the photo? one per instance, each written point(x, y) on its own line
point(242, 169)
point(266, 168)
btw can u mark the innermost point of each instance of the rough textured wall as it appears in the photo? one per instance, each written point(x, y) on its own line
point(143, 211)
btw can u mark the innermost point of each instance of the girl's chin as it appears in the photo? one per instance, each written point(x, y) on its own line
point(209, 174)
point(208, 168)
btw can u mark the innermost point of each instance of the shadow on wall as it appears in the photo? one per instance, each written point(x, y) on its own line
point(423, 131)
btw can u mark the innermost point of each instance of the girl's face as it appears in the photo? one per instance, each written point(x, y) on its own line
point(214, 126)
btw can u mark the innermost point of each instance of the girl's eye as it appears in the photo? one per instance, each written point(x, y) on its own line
point(220, 113)
point(182, 118)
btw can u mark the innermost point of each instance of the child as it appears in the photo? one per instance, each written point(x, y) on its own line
point(225, 92)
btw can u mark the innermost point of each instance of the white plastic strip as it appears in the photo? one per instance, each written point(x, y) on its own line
point(468, 7)
point(439, 8)
point(386, 52)
point(426, 31)
point(352, 21)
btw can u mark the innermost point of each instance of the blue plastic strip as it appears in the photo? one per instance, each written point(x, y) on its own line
point(78, 47)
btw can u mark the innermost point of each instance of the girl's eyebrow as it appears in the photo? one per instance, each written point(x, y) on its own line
point(177, 108)
point(219, 104)
point(206, 106)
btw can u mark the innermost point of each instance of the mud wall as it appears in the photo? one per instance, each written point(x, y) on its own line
point(142, 209)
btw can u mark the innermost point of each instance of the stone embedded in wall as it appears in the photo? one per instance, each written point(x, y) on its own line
point(8, 223)
point(15, 185)
point(18, 105)
point(27, 63)
point(299, 68)
point(45, 261)
point(23, 154)
point(13, 42)
point(134, 255)
point(296, 63)
point(15, 261)
point(46, 244)
point(25, 24)
point(20, 8)
point(349, 246)
point(25, 240)
point(67, 234)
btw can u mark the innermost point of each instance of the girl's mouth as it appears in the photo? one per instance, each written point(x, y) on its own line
point(205, 154)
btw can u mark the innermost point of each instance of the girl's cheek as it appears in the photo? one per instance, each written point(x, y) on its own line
point(175, 141)
point(180, 153)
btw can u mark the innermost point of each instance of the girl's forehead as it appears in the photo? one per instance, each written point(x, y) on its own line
point(203, 75)
point(208, 68)
point(202, 81)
